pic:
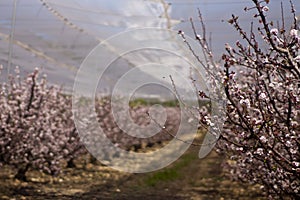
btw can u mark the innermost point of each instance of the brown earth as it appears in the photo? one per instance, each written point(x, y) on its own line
point(187, 178)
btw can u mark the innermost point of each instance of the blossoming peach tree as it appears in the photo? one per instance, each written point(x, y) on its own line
point(261, 80)
point(36, 126)
point(37, 130)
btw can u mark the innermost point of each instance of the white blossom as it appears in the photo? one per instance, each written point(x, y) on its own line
point(274, 31)
point(294, 32)
point(259, 151)
point(263, 139)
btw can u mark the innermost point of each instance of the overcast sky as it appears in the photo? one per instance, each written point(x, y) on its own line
point(38, 29)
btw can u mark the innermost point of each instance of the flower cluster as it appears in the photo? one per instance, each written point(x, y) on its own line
point(260, 77)
point(36, 126)
point(118, 131)
point(37, 129)
point(262, 133)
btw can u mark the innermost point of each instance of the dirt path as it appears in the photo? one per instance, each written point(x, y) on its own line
point(187, 178)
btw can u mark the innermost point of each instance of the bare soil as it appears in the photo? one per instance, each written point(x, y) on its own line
point(187, 178)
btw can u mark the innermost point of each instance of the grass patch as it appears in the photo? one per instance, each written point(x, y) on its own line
point(150, 102)
point(167, 103)
point(142, 102)
point(171, 173)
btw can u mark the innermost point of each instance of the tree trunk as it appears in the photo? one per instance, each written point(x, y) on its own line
point(21, 174)
point(93, 160)
point(70, 163)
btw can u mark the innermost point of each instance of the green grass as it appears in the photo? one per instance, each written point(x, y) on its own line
point(149, 102)
point(144, 102)
point(171, 173)
point(166, 103)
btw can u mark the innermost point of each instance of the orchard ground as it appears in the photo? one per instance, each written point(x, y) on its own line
point(187, 178)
